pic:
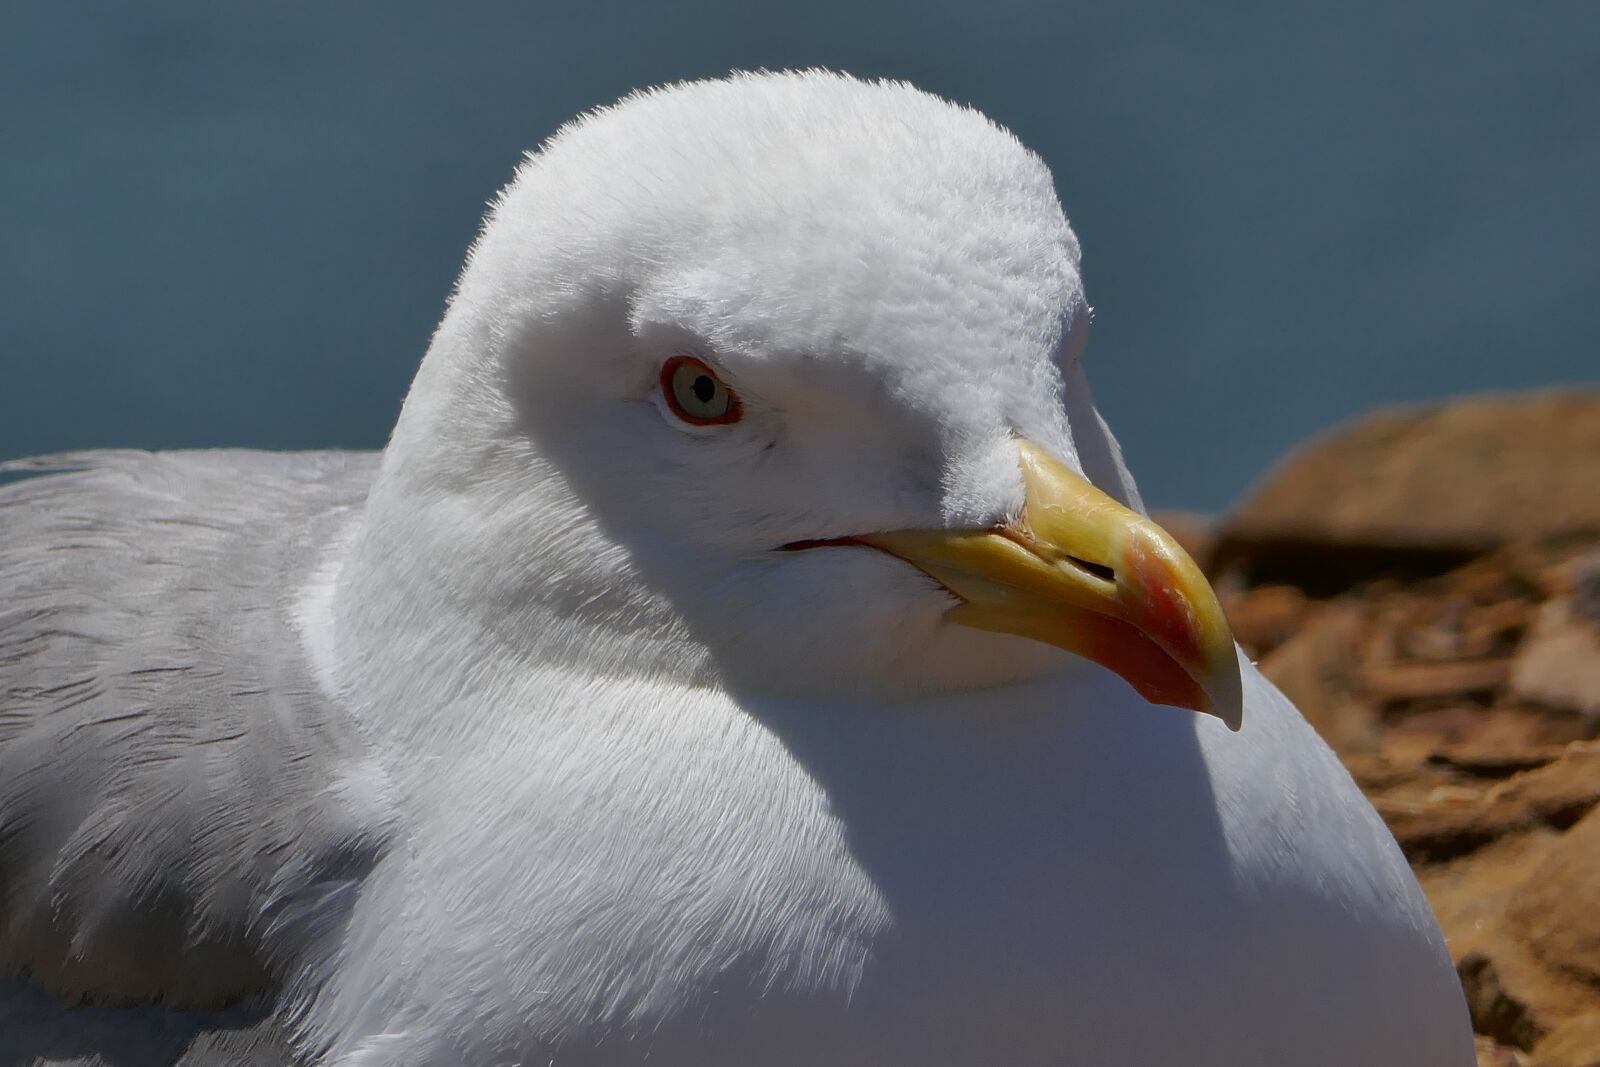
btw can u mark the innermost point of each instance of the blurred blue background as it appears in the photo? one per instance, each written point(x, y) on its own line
point(236, 225)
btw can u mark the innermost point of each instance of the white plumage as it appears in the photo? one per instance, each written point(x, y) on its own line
point(533, 745)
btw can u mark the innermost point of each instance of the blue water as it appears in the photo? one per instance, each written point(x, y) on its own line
point(232, 224)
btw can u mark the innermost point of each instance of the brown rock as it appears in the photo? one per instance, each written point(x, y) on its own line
point(1264, 618)
point(1469, 895)
point(1447, 825)
point(1491, 762)
point(1493, 1054)
point(1516, 1002)
point(1556, 911)
point(1412, 681)
point(1516, 731)
point(1559, 663)
point(1435, 624)
point(1500, 1008)
point(1513, 884)
point(1433, 832)
point(1446, 642)
point(1415, 487)
point(1573, 1043)
point(1318, 668)
point(1559, 793)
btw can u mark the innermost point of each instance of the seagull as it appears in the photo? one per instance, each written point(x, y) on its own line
point(750, 648)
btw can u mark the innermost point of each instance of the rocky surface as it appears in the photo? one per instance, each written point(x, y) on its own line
point(1427, 487)
point(1426, 587)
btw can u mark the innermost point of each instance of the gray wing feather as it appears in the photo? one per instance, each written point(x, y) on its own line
point(180, 806)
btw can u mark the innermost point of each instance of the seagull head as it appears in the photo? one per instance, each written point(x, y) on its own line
point(773, 382)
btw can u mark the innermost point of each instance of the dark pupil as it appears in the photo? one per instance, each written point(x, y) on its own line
point(704, 388)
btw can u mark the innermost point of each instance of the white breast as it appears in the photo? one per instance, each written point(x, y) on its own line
point(1045, 875)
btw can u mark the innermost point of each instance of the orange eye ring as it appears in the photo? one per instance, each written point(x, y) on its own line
point(696, 395)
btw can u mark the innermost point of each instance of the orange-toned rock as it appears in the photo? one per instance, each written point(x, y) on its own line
point(1574, 1043)
point(1560, 792)
point(1319, 669)
point(1446, 642)
point(1503, 1001)
point(1447, 825)
point(1473, 730)
point(1493, 1054)
point(1556, 911)
point(1559, 663)
point(1412, 681)
point(1559, 666)
point(1463, 477)
point(1264, 618)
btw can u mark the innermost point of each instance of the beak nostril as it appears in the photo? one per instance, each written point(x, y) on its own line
point(1098, 570)
point(1019, 533)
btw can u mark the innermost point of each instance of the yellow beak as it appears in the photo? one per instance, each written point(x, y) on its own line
point(1078, 570)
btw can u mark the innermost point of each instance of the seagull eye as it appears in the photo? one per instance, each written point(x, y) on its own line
point(696, 395)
